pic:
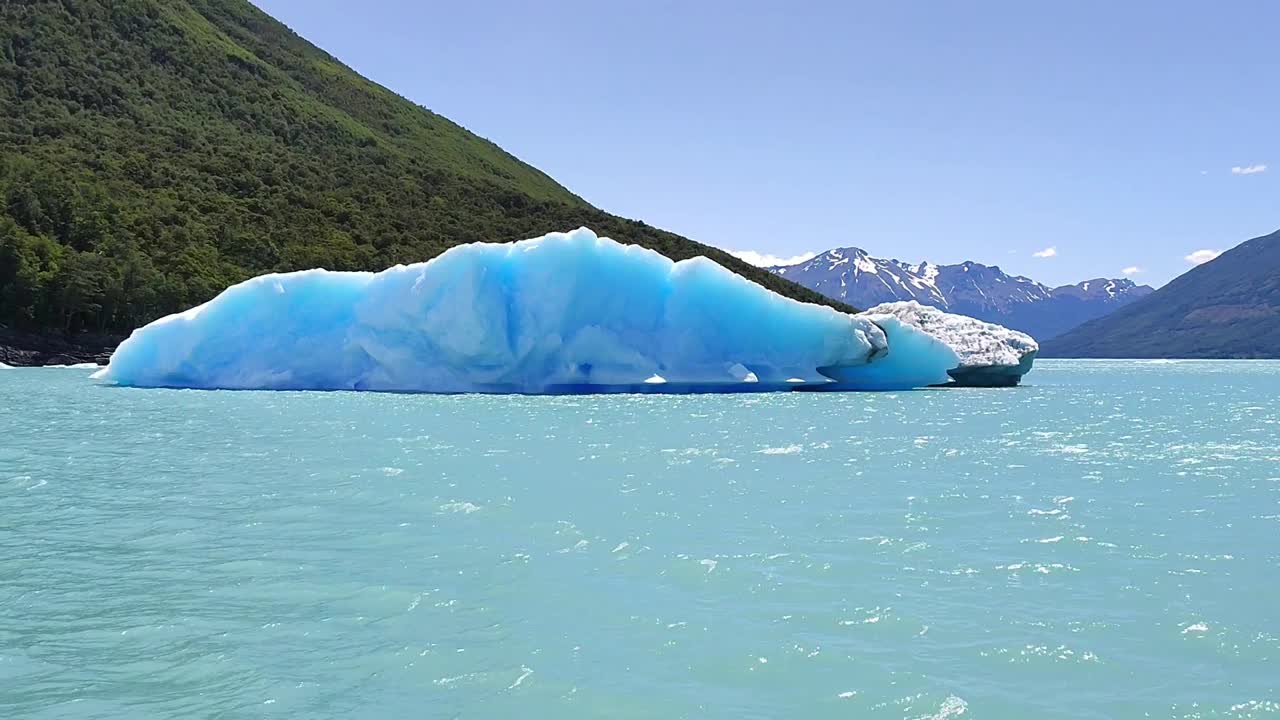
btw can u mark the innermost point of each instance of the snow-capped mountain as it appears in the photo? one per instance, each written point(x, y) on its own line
point(969, 288)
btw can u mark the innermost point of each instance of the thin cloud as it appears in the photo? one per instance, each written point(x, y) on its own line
point(1131, 270)
point(752, 257)
point(1248, 169)
point(1201, 257)
point(1046, 253)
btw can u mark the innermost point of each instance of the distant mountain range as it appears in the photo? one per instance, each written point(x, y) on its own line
point(986, 292)
point(1226, 308)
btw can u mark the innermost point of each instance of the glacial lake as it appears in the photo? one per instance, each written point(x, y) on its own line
point(1103, 542)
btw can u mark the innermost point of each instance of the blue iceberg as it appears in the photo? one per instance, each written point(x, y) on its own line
point(563, 313)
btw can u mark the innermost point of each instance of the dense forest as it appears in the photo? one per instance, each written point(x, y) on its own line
point(154, 151)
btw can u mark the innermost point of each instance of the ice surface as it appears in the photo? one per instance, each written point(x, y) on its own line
point(977, 343)
point(912, 359)
point(561, 313)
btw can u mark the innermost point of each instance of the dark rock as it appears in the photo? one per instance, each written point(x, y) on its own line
point(20, 348)
point(991, 375)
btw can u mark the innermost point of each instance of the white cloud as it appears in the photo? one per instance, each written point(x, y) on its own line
point(1201, 257)
point(1248, 169)
point(765, 260)
point(1131, 270)
point(1046, 253)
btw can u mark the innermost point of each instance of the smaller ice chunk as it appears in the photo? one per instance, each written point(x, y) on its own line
point(989, 354)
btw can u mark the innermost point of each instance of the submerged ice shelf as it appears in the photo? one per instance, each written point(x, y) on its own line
point(566, 312)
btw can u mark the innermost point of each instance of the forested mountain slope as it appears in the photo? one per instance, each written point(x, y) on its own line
point(154, 151)
point(1226, 308)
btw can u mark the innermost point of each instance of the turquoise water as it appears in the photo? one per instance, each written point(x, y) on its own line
point(1103, 543)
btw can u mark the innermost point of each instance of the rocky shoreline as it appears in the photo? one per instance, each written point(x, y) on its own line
point(24, 349)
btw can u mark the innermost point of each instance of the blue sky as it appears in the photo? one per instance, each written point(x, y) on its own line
point(1106, 132)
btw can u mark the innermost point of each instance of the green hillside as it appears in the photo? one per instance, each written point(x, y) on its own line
point(154, 151)
point(1226, 308)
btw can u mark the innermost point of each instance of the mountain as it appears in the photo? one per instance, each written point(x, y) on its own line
point(153, 152)
point(985, 292)
point(1226, 308)
point(1071, 305)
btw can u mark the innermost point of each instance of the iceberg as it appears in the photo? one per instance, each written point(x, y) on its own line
point(563, 313)
point(989, 355)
